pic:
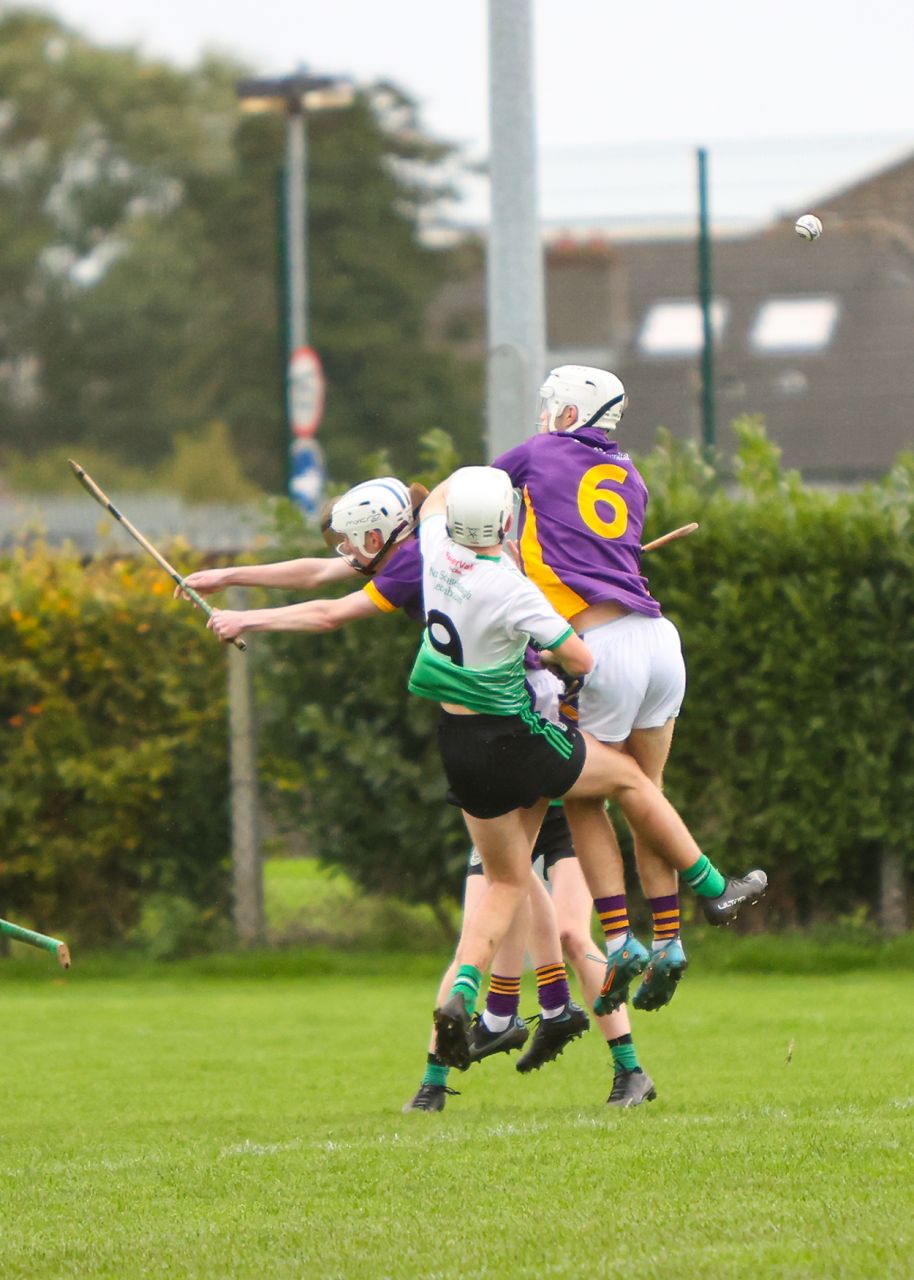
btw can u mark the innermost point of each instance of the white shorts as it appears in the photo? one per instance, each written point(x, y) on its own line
point(638, 677)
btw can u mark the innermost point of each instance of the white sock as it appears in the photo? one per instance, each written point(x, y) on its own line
point(495, 1021)
point(615, 943)
point(552, 1013)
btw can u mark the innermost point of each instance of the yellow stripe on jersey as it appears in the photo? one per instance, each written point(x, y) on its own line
point(375, 597)
point(562, 598)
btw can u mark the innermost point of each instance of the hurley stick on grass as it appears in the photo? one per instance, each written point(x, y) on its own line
point(104, 501)
point(40, 940)
point(682, 532)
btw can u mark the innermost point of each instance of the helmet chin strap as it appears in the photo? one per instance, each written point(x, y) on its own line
point(370, 569)
point(593, 420)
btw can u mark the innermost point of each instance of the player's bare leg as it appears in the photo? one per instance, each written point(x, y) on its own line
point(600, 860)
point(573, 909)
point(500, 1028)
point(656, 823)
point(509, 960)
point(651, 748)
point(504, 843)
point(561, 1020)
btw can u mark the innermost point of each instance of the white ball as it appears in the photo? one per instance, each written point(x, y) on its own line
point(809, 226)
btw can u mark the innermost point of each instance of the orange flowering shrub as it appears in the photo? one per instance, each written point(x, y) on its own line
point(113, 773)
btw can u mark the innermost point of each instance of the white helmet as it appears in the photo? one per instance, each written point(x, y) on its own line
point(383, 504)
point(480, 503)
point(598, 396)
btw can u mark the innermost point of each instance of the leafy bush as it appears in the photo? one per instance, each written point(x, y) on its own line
point(794, 748)
point(793, 751)
point(113, 774)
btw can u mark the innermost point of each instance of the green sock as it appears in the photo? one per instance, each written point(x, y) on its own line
point(435, 1071)
point(623, 1052)
point(704, 879)
point(467, 984)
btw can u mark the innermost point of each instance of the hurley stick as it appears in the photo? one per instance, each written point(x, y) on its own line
point(41, 940)
point(104, 501)
point(669, 537)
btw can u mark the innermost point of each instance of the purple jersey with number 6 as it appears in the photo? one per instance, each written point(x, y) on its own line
point(581, 520)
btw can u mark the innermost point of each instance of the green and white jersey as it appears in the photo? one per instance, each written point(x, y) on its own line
point(480, 615)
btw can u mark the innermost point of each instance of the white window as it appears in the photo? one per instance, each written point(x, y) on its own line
point(794, 324)
point(674, 327)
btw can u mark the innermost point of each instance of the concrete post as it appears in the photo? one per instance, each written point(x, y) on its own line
point(516, 308)
point(247, 869)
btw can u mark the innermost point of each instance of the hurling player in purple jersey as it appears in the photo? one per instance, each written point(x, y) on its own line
point(372, 528)
point(582, 517)
point(374, 537)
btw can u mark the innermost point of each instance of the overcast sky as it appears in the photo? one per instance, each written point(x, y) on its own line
point(606, 72)
point(608, 75)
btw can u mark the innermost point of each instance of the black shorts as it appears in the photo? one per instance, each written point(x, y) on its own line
point(495, 764)
point(552, 844)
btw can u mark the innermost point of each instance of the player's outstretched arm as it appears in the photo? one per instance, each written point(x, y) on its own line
point(303, 574)
point(310, 615)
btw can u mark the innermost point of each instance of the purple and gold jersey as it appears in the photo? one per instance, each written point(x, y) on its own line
point(398, 584)
point(581, 520)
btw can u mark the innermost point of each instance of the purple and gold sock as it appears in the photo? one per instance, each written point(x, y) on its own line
point(552, 989)
point(503, 1000)
point(665, 912)
point(613, 913)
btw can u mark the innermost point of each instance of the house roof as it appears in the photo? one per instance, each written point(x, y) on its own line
point(841, 409)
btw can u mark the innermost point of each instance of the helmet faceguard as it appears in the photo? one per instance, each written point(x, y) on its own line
point(383, 506)
point(479, 506)
point(597, 395)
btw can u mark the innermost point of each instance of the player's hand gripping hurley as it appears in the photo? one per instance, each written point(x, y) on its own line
point(103, 500)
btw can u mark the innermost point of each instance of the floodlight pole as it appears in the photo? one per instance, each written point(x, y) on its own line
point(294, 96)
point(708, 423)
point(296, 227)
point(514, 271)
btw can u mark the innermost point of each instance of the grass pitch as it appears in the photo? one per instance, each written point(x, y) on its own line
point(240, 1117)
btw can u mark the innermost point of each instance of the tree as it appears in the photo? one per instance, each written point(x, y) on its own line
point(140, 267)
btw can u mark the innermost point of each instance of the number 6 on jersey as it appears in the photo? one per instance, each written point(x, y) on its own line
point(590, 496)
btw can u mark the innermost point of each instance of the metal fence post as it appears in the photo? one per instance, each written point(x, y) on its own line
point(514, 272)
point(705, 291)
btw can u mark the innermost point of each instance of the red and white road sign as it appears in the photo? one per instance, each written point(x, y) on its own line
point(306, 387)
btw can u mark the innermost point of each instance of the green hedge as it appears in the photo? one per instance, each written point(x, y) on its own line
point(795, 605)
point(793, 751)
point(113, 776)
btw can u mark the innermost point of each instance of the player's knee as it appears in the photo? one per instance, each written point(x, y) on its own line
point(625, 777)
point(573, 945)
point(511, 879)
point(578, 809)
